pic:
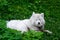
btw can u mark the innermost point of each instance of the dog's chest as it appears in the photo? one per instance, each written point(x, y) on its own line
point(35, 28)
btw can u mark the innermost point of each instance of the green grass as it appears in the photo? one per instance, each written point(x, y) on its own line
point(22, 9)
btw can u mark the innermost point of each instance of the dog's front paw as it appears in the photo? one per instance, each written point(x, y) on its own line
point(48, 31)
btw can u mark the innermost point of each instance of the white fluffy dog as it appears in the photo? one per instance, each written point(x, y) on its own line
point(36, 22)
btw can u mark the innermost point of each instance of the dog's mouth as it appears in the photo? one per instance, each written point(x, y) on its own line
point(39, 27)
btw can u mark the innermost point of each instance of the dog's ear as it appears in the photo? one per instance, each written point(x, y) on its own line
point(33, 13)
point(42, 14)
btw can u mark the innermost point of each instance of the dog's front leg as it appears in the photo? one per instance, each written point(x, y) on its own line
point(42, 29)
point(47, 31)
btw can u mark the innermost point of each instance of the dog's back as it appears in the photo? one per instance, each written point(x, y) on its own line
point(19, 25)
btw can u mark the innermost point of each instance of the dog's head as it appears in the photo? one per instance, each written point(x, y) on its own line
point(37, 19)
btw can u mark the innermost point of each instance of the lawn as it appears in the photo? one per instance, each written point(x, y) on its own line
point(22, 9)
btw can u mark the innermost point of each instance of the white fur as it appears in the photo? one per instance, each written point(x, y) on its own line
point(32, 23)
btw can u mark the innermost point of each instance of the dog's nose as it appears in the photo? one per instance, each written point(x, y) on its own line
point(38, 22)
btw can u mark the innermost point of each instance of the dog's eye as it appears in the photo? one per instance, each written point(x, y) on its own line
point(36, 19)
point(39, 19)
